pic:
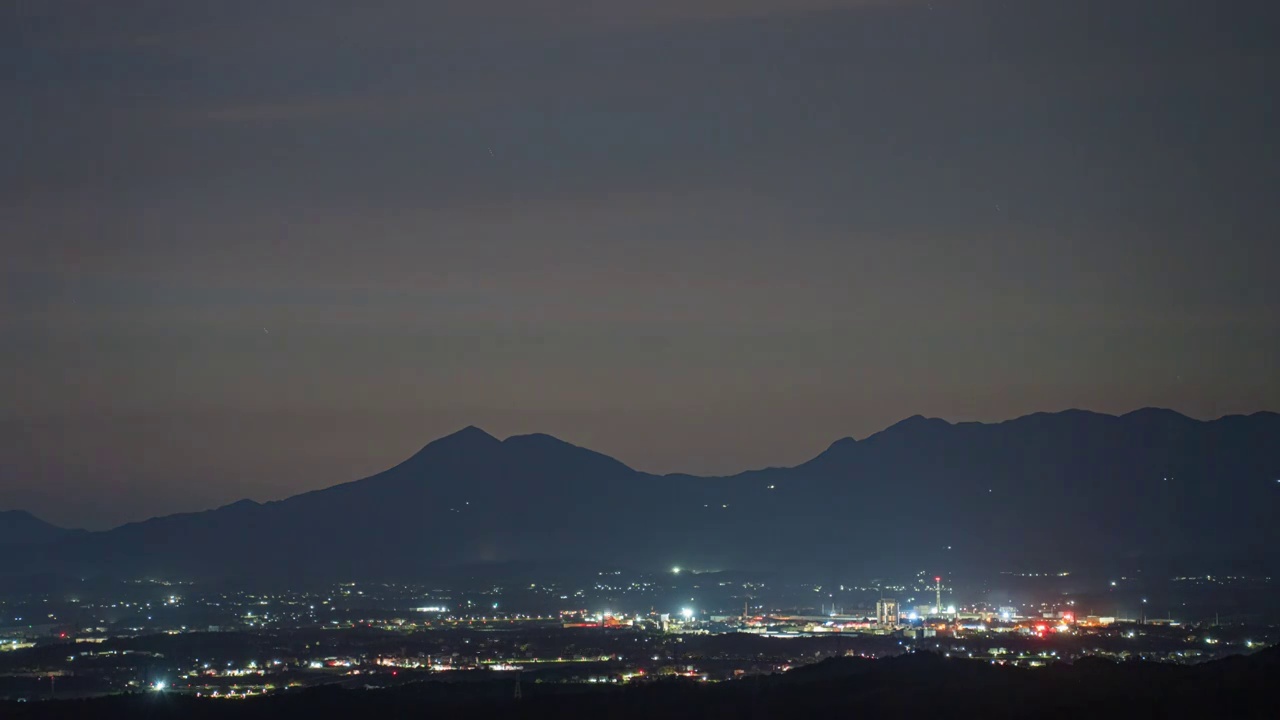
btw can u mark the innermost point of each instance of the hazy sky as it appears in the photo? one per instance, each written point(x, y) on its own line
point(255, 247)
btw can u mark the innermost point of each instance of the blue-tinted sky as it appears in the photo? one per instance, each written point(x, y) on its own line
point(257, 247)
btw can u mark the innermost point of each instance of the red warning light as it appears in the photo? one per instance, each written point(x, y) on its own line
point(937, 579)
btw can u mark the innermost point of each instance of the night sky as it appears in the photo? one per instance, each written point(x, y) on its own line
point(255, 247)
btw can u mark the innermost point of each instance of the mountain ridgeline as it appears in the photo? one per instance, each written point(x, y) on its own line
point(1070, 489)
point(20, 528)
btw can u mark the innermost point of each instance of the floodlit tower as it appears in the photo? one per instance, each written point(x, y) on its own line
point(938, 581)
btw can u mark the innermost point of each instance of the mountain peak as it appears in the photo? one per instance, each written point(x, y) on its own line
point(917, 423)
point(22, 516)
point(842, 444)
point(836, 451)
point(20, 526)
point(470, 440)
point(551, 446)
point(541, 438)
point(468, 437)
point(1155, 413)
point(471, 431)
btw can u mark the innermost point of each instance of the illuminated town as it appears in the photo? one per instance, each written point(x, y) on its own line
point(174, 637)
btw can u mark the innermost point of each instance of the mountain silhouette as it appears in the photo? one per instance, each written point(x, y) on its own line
point(19, 527)
point(1088, 490)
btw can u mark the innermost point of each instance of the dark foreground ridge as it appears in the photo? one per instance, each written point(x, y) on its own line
point(917, 685)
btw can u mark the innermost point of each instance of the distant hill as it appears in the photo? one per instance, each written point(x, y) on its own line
point(19, 527)
point(1069, 489)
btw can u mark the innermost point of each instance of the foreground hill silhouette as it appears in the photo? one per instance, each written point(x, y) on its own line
point(1096, 491)
point(915, 686)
